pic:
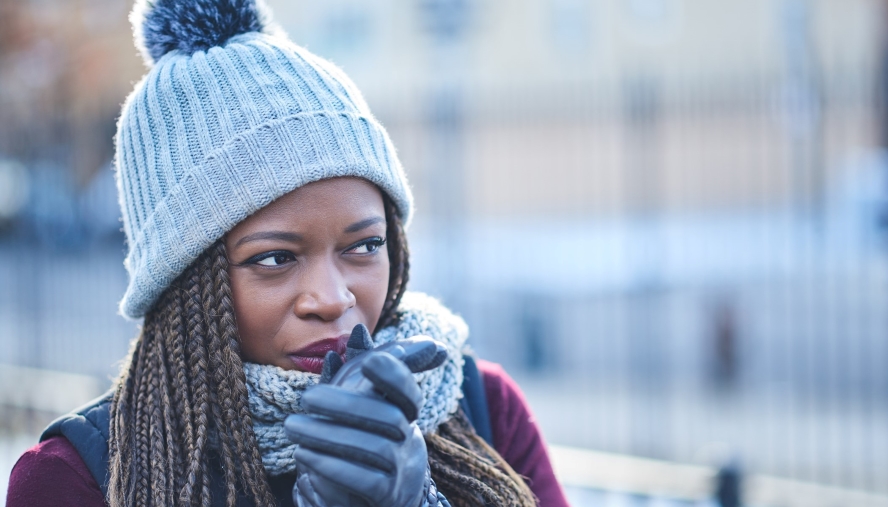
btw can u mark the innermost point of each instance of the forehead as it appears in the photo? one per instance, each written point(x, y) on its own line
point(329, 200)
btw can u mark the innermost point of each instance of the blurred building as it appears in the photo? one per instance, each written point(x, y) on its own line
point(622, 105)
point(640, 105)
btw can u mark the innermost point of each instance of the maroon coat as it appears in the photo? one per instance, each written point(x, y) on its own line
point(52, 474)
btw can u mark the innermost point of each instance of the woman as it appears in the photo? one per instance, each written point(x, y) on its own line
point(264, 209)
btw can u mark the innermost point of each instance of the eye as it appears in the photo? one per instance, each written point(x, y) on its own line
point(276, 258)
point(368, 246)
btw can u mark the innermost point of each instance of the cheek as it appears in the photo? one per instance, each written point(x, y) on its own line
point(370, 290)
point(259, 311)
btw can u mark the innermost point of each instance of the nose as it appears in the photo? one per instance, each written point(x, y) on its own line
point(323, 292)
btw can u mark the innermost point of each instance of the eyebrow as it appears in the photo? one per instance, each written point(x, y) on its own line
point(279, 235)
point(363, 224)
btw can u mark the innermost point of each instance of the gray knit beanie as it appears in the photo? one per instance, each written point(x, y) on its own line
point(230, 116)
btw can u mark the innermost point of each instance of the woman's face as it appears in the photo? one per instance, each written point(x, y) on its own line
point(306, 269)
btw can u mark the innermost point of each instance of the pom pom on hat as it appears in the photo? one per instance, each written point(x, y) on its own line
point(190, 26)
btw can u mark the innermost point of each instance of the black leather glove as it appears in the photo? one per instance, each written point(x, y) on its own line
point(359, 443)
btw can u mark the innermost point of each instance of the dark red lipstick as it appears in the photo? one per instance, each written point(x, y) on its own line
point(311, 357)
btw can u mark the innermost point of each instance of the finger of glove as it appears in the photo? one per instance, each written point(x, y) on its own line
point(332, 364)
point(420, 353)
point(372, 485)
point(358, 342)
point(357, 411)
point(304, 494)
point(431, 356)
point(349, 444)
point(393, 380)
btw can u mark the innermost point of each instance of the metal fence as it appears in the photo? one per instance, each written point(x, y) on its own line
point(732, 302)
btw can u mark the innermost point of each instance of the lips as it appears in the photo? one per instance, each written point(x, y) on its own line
point(311, 357)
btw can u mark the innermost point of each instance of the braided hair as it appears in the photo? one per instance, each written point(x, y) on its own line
point(181, 401)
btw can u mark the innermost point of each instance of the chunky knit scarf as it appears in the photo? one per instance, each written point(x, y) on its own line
point(275, 393)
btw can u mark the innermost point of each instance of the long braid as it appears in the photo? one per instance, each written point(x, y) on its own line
point(198, 484)
point(399, 262)
point(121, 424)
point(182, 400)
point(221, 396)
point(156, 429)
point(142, 426)
point(244, 437)
point(171, 424)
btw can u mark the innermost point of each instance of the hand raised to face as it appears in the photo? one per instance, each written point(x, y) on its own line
point(359, 443)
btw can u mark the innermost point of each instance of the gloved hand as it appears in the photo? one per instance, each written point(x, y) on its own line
point(359, 443)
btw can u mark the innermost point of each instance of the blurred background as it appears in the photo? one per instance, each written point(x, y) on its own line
point(668, 219)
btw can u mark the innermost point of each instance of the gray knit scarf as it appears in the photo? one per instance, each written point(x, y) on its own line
point(275, 393)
